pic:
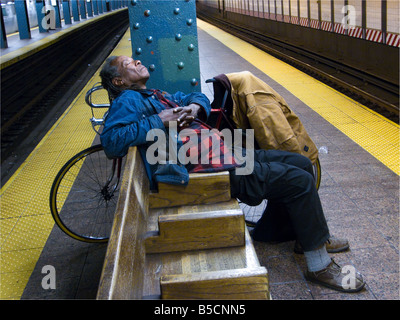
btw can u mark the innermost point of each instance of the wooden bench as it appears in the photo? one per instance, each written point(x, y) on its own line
point(180, 243)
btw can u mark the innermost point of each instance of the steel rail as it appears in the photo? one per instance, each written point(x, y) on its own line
point(303, 58)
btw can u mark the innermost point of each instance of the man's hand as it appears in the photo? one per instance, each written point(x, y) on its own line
point(188, 114)
point(183, 115)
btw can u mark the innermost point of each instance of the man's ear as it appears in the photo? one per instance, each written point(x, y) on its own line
point(117, 81)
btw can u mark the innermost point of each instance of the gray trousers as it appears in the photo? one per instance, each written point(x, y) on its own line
point(294, 209)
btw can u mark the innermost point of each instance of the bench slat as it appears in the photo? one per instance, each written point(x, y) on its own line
point(246, 283)
point(192, 231)
point(197, 261)
point(202, 188)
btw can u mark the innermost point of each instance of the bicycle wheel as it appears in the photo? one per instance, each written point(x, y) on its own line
point(253, 213)
point(84, 195)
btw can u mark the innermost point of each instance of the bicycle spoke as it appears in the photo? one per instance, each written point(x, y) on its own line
point(85, 198)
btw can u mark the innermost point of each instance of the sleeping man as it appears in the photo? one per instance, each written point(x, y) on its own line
point(137, 117)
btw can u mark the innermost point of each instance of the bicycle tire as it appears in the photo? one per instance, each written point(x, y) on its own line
point(253, 213)
point(82, 199)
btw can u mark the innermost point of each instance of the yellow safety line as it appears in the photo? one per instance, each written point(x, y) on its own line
point(25, 218)
point(376, 134)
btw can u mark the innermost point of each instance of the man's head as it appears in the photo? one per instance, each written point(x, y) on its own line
point(122, 72)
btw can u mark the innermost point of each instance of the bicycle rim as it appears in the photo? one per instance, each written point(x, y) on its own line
point(317, 173)
point(82, 197)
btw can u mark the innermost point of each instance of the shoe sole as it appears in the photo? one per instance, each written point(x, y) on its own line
point(341, 249)
point(334, 287)
point(338, 249)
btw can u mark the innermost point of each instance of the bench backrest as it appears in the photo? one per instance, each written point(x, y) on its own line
point(123, 269)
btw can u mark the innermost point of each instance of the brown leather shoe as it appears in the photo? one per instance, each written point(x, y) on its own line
point(333, 245)
point(337, 278)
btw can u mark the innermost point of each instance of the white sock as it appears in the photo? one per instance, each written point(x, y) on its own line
point(317, 259)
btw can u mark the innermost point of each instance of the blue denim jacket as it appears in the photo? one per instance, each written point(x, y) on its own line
point(134, 113)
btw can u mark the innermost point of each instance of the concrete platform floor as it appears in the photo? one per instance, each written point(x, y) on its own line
point(360, 197)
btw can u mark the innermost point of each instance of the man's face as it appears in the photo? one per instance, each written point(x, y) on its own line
point(131, 71)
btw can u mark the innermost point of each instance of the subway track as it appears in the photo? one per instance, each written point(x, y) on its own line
point(37, 90)
point(376, 93)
